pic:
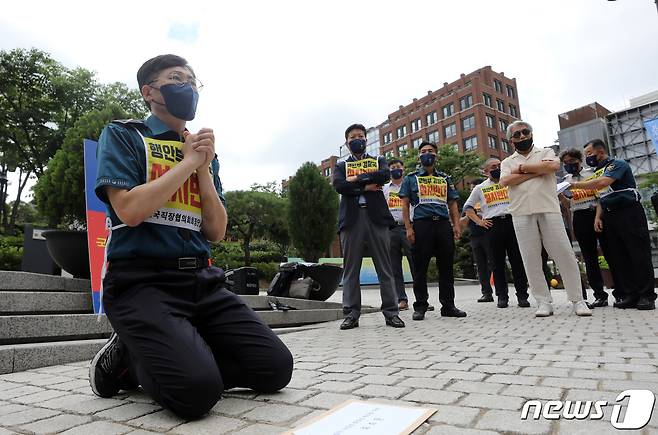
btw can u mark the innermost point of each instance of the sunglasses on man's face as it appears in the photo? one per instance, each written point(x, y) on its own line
point(525, 132)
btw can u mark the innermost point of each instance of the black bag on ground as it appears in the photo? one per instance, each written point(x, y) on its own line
point(242, 281)
point(309, 281)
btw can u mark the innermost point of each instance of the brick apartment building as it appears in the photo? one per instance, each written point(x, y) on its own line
point(472, 113)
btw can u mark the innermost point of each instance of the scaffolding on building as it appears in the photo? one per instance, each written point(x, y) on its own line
point(628, 138)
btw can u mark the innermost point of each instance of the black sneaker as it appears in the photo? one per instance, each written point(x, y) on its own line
point(486, 298)
point(523, 303)
point(108, 371)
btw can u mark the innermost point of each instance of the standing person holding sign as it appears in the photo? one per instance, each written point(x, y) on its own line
point(433, 198)
point(583, 204)
point(400, 245)
point(535, 210)
point(179, 333)
point(364, 218)
point(500, 237)
point(621, 217)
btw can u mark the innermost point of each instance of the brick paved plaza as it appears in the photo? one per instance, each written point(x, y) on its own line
point(477, 372)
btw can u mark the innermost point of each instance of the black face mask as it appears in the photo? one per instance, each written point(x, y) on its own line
point(523, 145)
point(495, 174)
point(357, 146)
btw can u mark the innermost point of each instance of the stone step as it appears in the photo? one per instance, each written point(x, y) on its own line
point(52, 327)
point(38, 302)
point(19, 357)
point(10, 280)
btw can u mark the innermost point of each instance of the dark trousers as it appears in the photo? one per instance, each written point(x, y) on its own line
point(400, 247)
point(189, 338)
point(627, 235)
point(502, 241)
point(353, 240)
point(480, 249)
point(588, 240)
point(433, 239)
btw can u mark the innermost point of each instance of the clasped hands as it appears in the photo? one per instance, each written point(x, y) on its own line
point(199, 147)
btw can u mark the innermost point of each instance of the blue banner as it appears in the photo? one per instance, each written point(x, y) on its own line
point(652, 130)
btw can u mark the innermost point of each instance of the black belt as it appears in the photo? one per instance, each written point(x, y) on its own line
point(182, 263)
point(583, 210)
point(432, 218)
point(505, 216)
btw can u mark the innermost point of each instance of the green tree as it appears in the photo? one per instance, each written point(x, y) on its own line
point(59, 192)
point(449, 160)
point(40, 100)
point(312, 212)
point(254, 214)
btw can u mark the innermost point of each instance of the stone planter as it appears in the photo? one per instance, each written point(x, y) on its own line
point(69, 250)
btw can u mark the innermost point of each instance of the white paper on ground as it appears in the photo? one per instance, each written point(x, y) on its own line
point(561, 187)
point(366, 418)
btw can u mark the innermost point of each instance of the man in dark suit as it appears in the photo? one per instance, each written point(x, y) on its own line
point(364, 218)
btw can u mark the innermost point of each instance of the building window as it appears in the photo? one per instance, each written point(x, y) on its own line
point(490, 120)
point(466, 102)
point(470, 143)
point(402, 131)
point(498, 86)
point(501, 105)
point(505, 145)
point(448, 110)
point(388, 137)
point(493, 142)
point(431, 118)
point(487, 100)
point(416, 143)
point(415, 125)
point(327, 172)
point(503, 125)
point(450, 130)
point(402, 149)
point(468, 123)
point(510, 91)
point(512, 110)
point(433, 136)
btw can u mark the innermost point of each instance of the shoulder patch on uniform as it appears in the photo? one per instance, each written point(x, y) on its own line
point(139, 122)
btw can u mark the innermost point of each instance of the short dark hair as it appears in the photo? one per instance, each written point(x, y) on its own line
point(394, 161)
point(597, 143)
point(571, 152)
point(150, 69)
point(432, 144)
point(355, 127)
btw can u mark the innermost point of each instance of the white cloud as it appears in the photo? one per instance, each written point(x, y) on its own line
point(283, 79)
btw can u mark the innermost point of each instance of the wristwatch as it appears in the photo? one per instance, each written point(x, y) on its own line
point(521, 168)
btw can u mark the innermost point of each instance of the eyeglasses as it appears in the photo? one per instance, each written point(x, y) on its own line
point(525, 132)
point(179, 79)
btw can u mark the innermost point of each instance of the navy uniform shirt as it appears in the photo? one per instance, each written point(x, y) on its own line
point(431, 198)
point(623, 191)
point(131, 153)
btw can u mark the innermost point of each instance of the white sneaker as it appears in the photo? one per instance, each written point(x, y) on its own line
point(581, 309)
point(545, 309)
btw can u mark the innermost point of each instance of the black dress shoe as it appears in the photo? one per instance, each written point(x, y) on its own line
point(486, 298)
point(503, 303)
point(452, 312)
point(600, 302)
point(626, 303)
point(418, 315)
point(395, 322)
point(523, 303)
point(349, 323)
point(645, 304)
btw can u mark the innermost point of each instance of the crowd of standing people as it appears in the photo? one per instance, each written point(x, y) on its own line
point(516, 214)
